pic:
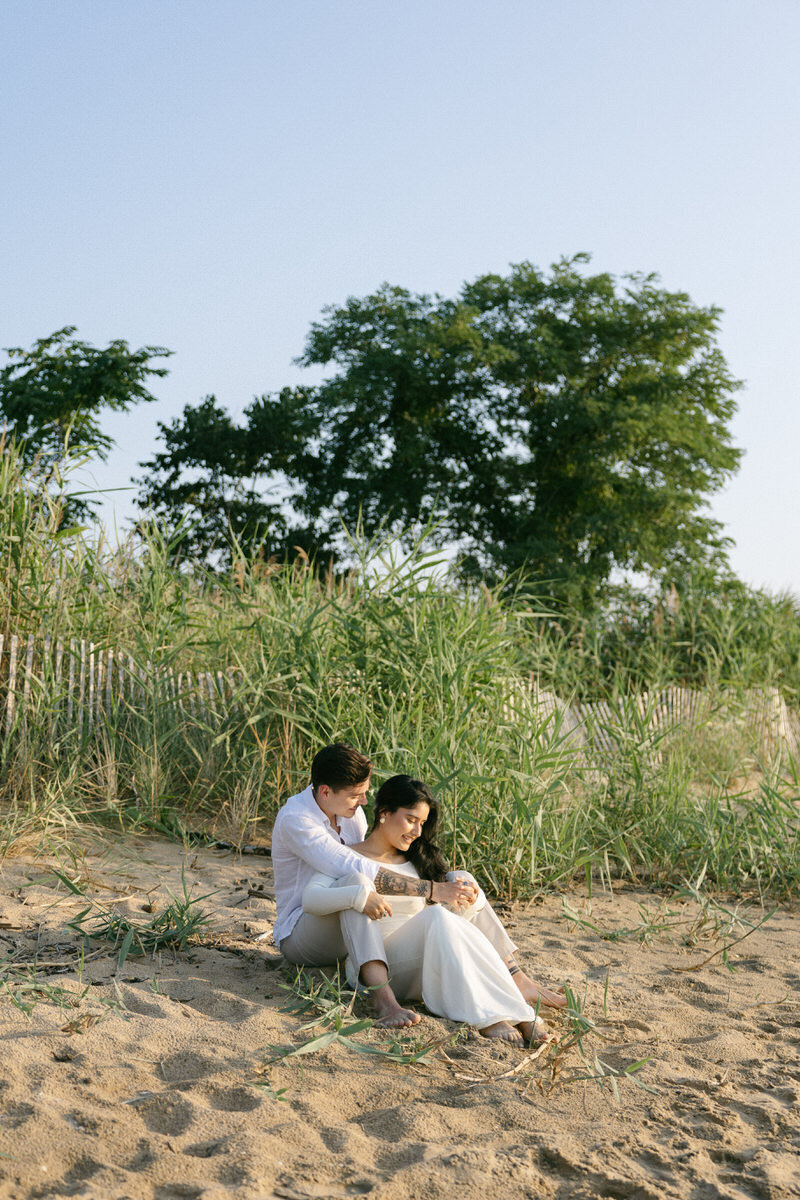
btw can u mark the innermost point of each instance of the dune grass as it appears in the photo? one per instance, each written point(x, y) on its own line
point(425, 676)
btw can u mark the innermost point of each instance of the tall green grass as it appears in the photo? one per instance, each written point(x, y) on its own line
point(706, 632)
point(421, 674)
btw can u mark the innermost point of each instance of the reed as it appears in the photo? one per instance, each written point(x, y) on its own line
point(149, 692)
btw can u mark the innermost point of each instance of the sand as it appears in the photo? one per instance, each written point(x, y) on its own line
point(147, 1081)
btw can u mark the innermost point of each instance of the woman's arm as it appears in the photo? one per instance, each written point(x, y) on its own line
point(457, 892)
point(307, 840)
point(321, 897)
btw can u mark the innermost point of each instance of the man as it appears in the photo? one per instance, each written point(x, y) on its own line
point(312, 833)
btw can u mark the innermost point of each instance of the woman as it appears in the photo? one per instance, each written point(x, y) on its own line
point(432, 954)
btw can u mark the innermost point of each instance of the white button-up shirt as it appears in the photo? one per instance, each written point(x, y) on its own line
point(304, 842)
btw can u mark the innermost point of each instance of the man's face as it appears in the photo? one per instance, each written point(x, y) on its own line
point(345, 802)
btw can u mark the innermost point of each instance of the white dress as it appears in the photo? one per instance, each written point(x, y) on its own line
point(435, 956)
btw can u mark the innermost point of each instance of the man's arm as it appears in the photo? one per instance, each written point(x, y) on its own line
point(308, 840)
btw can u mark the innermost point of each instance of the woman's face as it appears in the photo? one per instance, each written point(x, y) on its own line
point(403, 827)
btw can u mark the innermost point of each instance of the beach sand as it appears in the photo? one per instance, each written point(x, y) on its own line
point(148, 1081)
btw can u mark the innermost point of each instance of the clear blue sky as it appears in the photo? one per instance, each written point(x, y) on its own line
point(206, 176)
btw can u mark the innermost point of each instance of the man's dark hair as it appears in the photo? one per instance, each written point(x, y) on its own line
point(339, 765)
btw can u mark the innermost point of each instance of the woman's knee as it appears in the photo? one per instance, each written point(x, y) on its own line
point(465, 876)
point(469, 910)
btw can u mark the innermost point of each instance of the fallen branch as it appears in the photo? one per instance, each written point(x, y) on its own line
point(724, 949)
point(529, 1058)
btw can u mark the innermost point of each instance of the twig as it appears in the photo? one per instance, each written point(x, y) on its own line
point(42, 964)
point(724, 949)
point(529, 1058)
point(771, 1003)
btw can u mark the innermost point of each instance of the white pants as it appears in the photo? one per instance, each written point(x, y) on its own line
point(320, 941)
point(439, 957)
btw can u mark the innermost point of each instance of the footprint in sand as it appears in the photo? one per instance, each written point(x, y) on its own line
point(234, 1099)
point(73, 1180)
point(166, 1113)
point(221, 1006)
point(206, 1149)
point(187, 1067)
point(179, 1191)
point(136, 1003)
point(81, 1122)
point(15, 1113)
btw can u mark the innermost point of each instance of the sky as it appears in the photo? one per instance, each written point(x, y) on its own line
point(207, 176)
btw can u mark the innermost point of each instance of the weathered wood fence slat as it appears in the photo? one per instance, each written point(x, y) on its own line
point(599, 725)
point(80, 686)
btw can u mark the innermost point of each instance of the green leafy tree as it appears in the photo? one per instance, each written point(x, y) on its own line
point(223, 483)
point(566, 424)
point(52, 395)
point(614, 402)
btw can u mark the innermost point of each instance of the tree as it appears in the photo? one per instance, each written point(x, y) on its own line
point(564, 424)
point(218, 481)
point(52, 395)
point(614, 404)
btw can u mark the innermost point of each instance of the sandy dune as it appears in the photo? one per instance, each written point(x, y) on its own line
point(147, 1082)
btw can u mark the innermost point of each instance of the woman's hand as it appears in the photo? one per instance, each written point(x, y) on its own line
point(377, 907)
point(459, 894)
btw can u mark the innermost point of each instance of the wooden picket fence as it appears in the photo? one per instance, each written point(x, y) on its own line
point(84, 686)
point(602, 726)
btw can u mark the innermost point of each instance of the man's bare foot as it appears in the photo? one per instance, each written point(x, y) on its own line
point(501, 1031)
point(534, 993)
point(389, 1014)
point(535, 1033)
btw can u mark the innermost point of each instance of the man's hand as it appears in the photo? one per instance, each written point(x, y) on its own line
point(377, 907)
point(457, 895)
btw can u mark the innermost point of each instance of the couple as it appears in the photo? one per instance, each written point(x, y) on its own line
point(437, 939)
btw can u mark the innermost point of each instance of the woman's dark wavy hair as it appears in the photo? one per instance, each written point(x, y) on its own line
point(401, 791)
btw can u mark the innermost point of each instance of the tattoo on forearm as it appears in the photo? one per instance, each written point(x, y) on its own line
point(389, 883)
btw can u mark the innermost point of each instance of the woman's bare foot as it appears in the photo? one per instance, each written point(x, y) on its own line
point(535, 1033)
point(534, 993)
point(501, 1031)
point(389, 1014)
